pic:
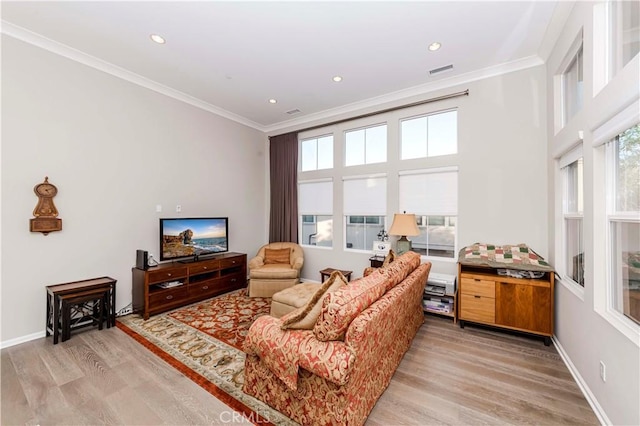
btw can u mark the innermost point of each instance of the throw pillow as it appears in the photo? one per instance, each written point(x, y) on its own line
point(305, 317)
point(390, 257)
point(277, 256)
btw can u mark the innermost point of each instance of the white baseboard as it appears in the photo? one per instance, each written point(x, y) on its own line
point(21, 339)
point(591, 399)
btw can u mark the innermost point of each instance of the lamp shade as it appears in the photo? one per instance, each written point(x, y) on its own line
point(404, 225)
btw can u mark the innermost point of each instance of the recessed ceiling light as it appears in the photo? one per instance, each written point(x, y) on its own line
point(434, 46)
point(272, 101)
point(337, 78)
point(158, 39)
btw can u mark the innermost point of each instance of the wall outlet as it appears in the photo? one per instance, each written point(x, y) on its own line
point(603, 371)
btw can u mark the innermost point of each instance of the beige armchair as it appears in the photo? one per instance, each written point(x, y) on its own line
point(276, 267)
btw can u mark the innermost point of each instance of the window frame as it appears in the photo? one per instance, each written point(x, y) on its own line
point(559, 95)
point(366, 225)
point(316, 208)
point(426, 141)
point(364, 153)
point(317, 148)
point(602, 299)
point(369, 199)
point(450, 211)
point(577, 90)
point(569, 158)
point(614, 218)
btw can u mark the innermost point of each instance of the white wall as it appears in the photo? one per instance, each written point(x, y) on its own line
point(502, 151)
point(114, 150)
point(585, 335)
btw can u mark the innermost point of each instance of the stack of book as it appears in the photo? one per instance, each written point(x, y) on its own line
point(437, 304)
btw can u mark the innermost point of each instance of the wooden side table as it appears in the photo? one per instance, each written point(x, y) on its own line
point(102, 289)
point(376, 261)
point(324, 274)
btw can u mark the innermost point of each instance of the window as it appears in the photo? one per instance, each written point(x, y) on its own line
point(429, 136)
point(366, 146)
point(625, 28)
point(572, 87)
point(362, 231)
point(432, 195)
point(571, 166)
point(315, 205)
point(623, 217)
point(316, 153)
point(365, 209)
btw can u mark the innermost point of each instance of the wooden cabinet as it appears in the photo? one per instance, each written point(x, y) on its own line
point(171, 285)
point(502, 301)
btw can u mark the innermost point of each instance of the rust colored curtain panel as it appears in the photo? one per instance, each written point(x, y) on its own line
point(283, 153)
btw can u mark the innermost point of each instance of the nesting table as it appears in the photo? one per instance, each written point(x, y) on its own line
point(79, 304)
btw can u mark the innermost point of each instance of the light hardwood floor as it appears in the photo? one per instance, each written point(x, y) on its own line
point(449, 375)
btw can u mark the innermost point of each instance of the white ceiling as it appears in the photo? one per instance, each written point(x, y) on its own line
point(232, 57)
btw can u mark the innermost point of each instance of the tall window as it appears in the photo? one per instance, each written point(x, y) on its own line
point(571, 165)
point(316, 153)
point(432, 195)
point(429, 136)
point(366, 146)
point(365, 209)
point(625, 27)
point(623, 216)
point(572, 87)
point(315, 205)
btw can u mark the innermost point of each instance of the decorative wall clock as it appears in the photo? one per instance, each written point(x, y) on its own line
point(46, 215)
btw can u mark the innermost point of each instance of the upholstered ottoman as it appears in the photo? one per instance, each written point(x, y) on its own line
point(292, 298)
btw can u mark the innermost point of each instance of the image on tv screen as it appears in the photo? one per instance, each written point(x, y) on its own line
point(193, 237)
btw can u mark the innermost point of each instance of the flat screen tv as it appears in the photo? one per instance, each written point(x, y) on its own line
point(181, 238)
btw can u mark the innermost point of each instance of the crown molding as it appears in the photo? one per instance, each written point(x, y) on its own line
point(68, 52)
point(76, 55)
point(401, 95)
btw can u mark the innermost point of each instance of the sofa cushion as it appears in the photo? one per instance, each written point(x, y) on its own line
point(305, 317)
point(277, 256)
point(274, 271)
point(341, 307)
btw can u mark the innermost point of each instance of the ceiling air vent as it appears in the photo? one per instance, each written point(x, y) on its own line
point(441, 69)
point(293, 111)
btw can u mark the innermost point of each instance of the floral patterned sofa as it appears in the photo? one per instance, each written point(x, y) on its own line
point(335, 372)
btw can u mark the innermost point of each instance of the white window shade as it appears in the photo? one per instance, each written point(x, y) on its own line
point(432, 193)
point(570, 157)
point(315, 197)
point(366, 196)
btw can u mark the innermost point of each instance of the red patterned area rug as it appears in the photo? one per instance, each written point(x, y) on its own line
point(204, 342)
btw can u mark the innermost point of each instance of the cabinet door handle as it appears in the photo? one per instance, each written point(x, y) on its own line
point(204, 267)
point(169, 297)
point(477, 279)
point(477, 297)
point(233, 280)
point(168, 274)
point(204, 287)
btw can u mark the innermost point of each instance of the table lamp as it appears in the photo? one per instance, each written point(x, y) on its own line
point(404, 225)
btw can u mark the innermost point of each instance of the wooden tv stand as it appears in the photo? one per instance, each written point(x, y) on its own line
point(512, 303)
point(202, 279)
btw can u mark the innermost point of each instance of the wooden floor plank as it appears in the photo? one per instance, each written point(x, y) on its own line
point(449, 376)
